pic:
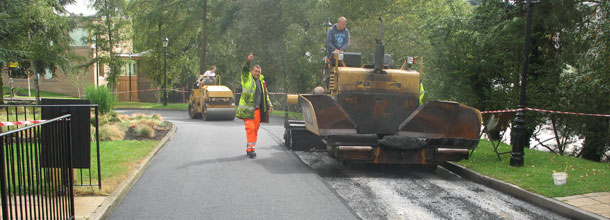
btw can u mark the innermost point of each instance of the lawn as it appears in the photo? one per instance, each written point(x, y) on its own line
point(584, 176)
point(118, 160)
point(22, 92)
point(291, 115)
point(146, 105)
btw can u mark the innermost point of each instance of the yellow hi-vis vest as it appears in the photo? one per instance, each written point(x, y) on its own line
point(421, 93)
point(246, 106)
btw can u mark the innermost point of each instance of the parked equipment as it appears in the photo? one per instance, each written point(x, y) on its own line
point(211, 101)
point(371, 113)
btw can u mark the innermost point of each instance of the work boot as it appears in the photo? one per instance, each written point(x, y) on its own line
point(251, 154)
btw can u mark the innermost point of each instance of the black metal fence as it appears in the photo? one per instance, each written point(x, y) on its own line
point(36, 178)
point(88, 172)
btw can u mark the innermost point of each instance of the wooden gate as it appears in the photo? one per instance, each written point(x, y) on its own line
point(123, 88)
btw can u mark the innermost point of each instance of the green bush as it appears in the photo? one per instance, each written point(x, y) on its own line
point(156, 117)
point(101, 96)
point(144, 130)
point(110, 132)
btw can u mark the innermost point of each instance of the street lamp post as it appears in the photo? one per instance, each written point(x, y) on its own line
point(165, 41)
point(327, 25)
point(519, 140)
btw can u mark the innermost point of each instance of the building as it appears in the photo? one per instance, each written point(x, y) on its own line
point(73, 84)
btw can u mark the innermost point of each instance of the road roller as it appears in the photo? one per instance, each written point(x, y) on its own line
point(372, 113)
point(209, 100)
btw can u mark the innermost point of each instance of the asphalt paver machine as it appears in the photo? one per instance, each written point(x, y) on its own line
point(372, 114)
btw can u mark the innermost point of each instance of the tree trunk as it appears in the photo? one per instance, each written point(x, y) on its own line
point(2, 84)
point(112, 75)
point(204, 39)
point(596, 139)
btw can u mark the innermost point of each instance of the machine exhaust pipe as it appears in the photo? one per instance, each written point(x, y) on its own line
point(379, 49)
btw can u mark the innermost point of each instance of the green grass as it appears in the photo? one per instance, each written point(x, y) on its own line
point(118, 159)
point(22, 92)
point(291, 115)
point(146, 105)
point(584, 176)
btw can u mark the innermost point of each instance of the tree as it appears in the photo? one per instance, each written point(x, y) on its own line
point(110, 25)
point(36, 35)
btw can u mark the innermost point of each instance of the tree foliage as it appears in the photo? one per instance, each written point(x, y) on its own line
point(472, 50)
point(111, 28)
point(35, 34)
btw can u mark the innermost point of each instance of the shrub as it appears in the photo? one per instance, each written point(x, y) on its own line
point(151, 123)
point(156, 117)
point(144, 130)
point(110, 132)
point(101, 96)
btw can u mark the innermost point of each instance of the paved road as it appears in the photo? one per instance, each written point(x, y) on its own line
point(377, 191)
point(203, 173)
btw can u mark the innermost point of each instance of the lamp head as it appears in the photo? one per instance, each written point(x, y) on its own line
point(165, 41)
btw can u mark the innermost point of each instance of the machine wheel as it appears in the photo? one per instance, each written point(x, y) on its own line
point(192, 111)
point(288, 139)
point(204, 112)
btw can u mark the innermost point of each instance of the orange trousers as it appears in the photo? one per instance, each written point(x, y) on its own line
point(252, 126)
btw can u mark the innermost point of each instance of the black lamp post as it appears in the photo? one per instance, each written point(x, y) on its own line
point(519, 140)
point(327, 24)
point(165, 41)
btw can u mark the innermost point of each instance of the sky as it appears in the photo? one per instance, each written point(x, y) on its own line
point(81, 7)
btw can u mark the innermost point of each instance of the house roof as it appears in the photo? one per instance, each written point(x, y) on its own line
point(140, 55)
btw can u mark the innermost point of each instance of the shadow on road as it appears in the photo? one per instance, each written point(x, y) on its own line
point(211, 161)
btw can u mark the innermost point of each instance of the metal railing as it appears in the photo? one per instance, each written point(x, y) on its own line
point(11, 113)
point(36, 171)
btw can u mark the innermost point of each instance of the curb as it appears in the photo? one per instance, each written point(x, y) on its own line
point(513, 190)
point(102, 211)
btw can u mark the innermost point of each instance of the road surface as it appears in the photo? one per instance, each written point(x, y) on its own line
point(203, 173)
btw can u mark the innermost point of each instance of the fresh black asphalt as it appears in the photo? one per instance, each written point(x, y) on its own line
point(203, 173)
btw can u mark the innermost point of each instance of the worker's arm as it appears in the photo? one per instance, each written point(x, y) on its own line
point(346, 41)
point(245, 71)
point(329, 40)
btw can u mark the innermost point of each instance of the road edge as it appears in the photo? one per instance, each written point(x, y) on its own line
point(102, 211)
point(554, 205)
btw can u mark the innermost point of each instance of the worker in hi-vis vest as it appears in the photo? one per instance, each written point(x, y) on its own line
point(254, 105)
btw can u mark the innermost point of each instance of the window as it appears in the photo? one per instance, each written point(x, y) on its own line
point(130, 66)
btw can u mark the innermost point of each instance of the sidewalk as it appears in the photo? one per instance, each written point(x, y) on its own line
point(598, 203)
point(85, 206)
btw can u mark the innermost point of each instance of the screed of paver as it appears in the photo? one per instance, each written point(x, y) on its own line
point(605, 214)
point(582, 202)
